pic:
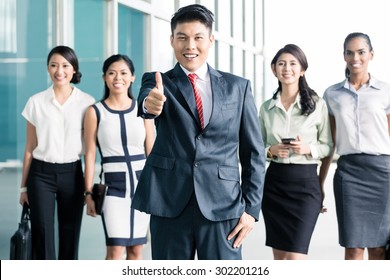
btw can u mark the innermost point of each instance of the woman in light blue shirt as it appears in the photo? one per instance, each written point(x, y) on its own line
point(293, 191)
point(359, 109)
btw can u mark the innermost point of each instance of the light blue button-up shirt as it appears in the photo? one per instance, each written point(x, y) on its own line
point(361, 117)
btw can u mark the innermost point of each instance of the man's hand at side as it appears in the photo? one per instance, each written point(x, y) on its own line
point(242, 229)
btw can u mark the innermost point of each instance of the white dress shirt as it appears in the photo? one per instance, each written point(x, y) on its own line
point(59, 128)
point(204, 85)
point(361, 117)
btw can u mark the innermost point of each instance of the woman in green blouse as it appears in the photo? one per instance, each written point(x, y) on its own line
point(296, 134)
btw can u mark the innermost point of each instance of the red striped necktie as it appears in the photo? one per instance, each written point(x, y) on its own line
point(198, 98)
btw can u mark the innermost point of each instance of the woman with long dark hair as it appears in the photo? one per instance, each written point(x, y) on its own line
point(296, 135)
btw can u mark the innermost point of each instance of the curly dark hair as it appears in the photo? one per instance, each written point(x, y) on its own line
point(308, 95)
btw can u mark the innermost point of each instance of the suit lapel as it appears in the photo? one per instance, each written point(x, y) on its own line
point(218, 86)
point(185, 88)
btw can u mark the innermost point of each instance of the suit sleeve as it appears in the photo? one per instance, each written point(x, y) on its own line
point(252, 158)
point(148, 83)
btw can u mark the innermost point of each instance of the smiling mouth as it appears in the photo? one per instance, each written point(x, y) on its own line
point(190, 55)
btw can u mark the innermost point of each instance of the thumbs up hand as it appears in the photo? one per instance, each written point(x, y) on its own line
point(154, 102)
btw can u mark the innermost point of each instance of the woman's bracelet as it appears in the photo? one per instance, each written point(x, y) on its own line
point(23, 189)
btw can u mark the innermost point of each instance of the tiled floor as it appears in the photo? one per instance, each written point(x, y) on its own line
point(324, 245)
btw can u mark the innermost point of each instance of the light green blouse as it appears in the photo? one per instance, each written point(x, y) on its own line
point(314, 129)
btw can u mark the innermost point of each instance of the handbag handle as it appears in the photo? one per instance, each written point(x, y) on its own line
point(25, 212)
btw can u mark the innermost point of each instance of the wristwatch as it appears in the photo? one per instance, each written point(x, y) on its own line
point(87, 193)
point(270, 155)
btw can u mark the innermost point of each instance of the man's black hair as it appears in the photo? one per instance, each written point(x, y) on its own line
point(193, 12)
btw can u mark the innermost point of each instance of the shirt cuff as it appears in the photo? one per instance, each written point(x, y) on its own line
point(143, 106)
point(313, 151)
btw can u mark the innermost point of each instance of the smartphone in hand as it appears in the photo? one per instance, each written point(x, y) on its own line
point(287, 141)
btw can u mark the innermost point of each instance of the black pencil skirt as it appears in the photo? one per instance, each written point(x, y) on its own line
point(291, 205)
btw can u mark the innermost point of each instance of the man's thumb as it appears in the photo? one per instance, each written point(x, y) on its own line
point(159, 83)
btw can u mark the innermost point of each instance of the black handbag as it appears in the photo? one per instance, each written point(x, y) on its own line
point(21, 248)
point(388, 250)
point(98, 195)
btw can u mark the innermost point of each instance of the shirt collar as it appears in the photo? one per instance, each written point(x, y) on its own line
point(276, 102)
point(202, 72)
point(373, 82)
point(50, 93)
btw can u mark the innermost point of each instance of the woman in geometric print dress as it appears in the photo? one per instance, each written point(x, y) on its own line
point(123, 140)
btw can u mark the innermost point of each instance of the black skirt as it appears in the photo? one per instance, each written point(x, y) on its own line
point(291, 205)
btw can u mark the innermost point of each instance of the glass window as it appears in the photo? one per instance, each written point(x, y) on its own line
point(212, 55)
point(8, 26)
point(259, 24)
point(164, 56)
point(209, 4)
point(258, 86)
point(223, 56)
point(164, 7)
point(238, 62)
point(183, 3)
point(22, 69)
point(238, 19)
point(131, 34)
point(90, 44)
point(249, 67)
point(248, 24)
point(223, 24)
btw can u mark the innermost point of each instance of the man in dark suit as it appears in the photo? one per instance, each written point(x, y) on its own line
point(191, 182)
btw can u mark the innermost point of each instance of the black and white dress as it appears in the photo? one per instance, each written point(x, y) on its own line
point(121, 137)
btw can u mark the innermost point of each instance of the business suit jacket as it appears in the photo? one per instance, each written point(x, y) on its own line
point(185, 159)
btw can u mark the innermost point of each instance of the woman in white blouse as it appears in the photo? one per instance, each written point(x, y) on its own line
point(52, 171)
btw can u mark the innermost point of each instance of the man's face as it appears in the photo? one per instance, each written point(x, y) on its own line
point(191, 42)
